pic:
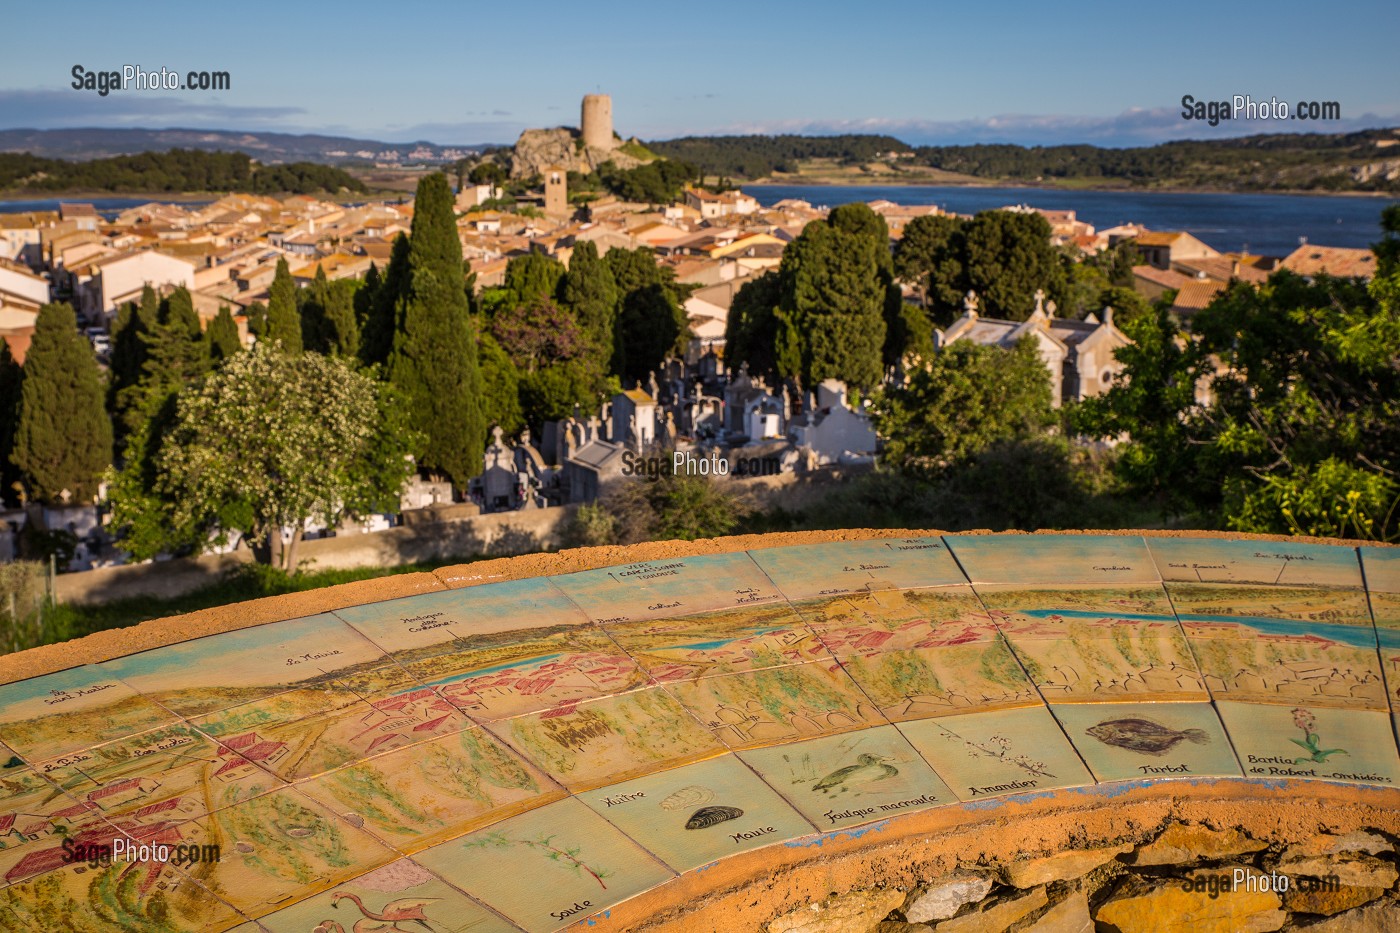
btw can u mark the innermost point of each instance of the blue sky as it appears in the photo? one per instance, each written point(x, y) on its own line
point(1096, 72)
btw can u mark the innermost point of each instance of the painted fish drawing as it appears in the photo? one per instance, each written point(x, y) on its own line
point(1144, 735)
point(712, 816)
point(868, 768)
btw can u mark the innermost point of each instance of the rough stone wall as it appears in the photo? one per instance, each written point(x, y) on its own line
point(1107, 859)
point(537, 150)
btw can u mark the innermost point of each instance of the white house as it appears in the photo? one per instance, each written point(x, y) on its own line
point(117, 279)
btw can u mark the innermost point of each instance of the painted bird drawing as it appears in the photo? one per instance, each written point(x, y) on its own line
point(867, 770)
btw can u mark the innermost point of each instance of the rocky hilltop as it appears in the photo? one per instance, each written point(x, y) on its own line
point(537, 150)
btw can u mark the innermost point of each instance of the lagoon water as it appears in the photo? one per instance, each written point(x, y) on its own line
point(1264, 223)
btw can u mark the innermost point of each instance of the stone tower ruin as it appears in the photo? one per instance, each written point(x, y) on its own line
point(596, 124)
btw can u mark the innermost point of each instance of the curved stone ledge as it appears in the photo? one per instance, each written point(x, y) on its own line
point(749, 890)
point(720, 734)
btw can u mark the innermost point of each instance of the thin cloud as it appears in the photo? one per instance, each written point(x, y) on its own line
point(38, 109)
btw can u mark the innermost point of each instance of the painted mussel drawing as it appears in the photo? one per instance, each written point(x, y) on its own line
point(712, 816)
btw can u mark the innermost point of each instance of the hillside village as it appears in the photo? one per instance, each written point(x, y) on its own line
point(225, 254)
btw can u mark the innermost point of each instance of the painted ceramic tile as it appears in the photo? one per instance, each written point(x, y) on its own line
point(1098, 644)
point(610, 740)
point(463, 615)
point(662, 588)
point(576, 862)
point(1039, 612)
point(1283, 644)
point(318, 662)
point(1313, 741)
point(500, 650)
point(1003, 752)
point(723, 642)
point(857, 777)
point(882, 620)
point(815, 570)
point(1382, 567)
point(35, 818)
point(781, 704)
point(174, 770)
point(118, 898)
point(419, 796)
point(692, 816)
point(1217, 560)
point(402, 895)
point(48, 716)
point(915, 683)
point(1097, 560)
point(278, 849)
point(1135, 741)
point(306, 747)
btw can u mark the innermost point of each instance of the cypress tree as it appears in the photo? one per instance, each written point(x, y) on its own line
point(833, 307)
point(283, 317)
point(131, 336)
point(11, 386)
point(434, 362)
point(367, 295)
point(64, 437)
point(340, 332)
point(222, 336)
point(381, 320)
point(589, 292)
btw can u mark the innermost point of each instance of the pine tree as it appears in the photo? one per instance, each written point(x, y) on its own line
point(222, 336)
point(589, 292)
point(283, 318)
point(64, 439)
point(434, 362)
point(381, 317)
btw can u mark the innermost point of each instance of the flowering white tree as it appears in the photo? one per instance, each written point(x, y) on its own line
point(272, 441)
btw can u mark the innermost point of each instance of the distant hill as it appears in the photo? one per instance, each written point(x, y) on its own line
point(1367, 161)
point(174, 172)
point(267, 148)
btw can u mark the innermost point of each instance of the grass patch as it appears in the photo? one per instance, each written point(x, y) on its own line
point(637, 151)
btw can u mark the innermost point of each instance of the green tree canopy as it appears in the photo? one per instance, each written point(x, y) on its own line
point(328, 321)
point(11, 392)
point(930, 257)
point(833, 295)
point(63, 441)
point(751, 330)
point(1279, 413)
point(222, 336)
point(590, 293)
point(314, 448)
point(381, 305)
point(500, 382)
point(533, 276)
point(960, 402)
